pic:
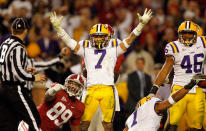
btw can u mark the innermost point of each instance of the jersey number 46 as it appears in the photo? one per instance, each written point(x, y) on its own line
point(190, 67)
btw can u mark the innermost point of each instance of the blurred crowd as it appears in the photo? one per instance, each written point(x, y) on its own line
point(146, 53)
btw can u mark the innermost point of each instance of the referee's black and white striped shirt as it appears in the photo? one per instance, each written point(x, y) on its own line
point(13, 61)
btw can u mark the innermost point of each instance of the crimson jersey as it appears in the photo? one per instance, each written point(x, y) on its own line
point(59, 111)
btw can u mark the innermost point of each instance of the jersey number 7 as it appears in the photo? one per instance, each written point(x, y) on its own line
point(98, 65)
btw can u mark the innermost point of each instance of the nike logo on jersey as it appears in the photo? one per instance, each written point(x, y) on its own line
point(198, 47)
point(64, 99)
point(72, 107)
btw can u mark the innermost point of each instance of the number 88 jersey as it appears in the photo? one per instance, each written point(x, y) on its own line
point(188, 60)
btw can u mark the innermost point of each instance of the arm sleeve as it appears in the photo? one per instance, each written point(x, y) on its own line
point(19, 61)
point(42, 65)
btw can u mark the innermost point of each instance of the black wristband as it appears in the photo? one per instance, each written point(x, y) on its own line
point(190, 85)
point(154, 89)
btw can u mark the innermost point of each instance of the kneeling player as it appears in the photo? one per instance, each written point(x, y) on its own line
point(149, 112)
point(61, 106)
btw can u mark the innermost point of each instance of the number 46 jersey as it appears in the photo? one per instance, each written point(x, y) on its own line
point(59, 111)
point(188, 60)
point(100, 63)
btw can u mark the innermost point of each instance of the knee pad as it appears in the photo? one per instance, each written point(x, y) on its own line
point(107, 125)
point(84, 125)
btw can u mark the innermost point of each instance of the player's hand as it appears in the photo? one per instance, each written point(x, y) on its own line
point(146, 16)
point(40, 78)
point(198, 77)
point(31, 69)
point(56, 22)
point(195, 80)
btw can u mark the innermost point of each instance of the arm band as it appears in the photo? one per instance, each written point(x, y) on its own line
point(125, 44)
point(71, 43)
point(190, 85)
point(171, 100)
point(138, 29)
point(154, 89)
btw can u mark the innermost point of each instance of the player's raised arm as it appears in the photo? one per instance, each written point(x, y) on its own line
point(136, 32)
point(56, 22)
point(161, 106)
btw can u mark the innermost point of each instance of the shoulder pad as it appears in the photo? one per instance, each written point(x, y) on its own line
point(171, 48)
point(203, 40)
point(85, 43)
point(115, 42)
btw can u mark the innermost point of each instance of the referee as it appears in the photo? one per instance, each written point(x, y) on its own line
point(15, 104)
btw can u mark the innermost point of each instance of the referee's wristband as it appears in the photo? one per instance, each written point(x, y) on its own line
point(154, 89)
point(171, 100)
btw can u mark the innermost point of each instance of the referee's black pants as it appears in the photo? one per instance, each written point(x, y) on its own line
point(15, 106)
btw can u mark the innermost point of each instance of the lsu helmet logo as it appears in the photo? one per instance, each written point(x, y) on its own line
point(187, 33)
point(99, 36)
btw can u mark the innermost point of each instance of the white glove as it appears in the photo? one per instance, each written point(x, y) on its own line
point(146, 16)
point(56, 87)
point(56, 22)
point(143, 20)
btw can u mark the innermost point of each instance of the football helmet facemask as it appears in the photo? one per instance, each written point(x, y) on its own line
point(99, 36)
point(74, 85)
point(187, 33)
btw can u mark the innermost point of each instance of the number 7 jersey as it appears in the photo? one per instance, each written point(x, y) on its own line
point(187, 60)
point(100, 63)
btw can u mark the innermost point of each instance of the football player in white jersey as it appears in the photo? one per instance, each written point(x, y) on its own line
point(100, 54)
point(186, 56)
point(149, 110)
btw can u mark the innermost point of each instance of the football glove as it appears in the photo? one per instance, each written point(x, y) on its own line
point(56, 22)
point(146, 16)
point(143, 20)
point(195, 80)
